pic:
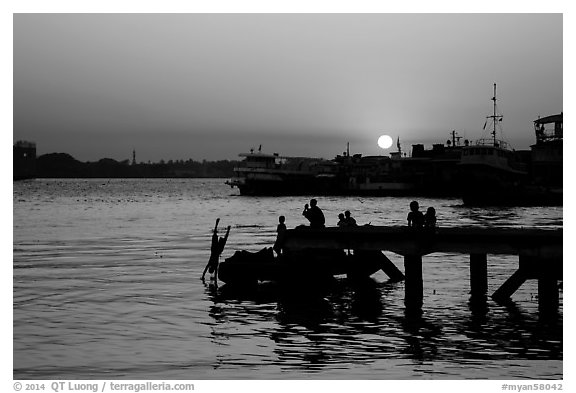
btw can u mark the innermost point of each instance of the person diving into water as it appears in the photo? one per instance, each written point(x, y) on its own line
point(216, 249)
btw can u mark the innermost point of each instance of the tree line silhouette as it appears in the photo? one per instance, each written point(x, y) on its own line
point(63, 165)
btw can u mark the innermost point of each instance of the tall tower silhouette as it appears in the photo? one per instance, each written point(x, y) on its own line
point(133, 157)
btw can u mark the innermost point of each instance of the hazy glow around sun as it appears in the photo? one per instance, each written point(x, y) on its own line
point(385, 141)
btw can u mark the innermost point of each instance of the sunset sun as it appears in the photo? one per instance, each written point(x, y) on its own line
point(385, 141)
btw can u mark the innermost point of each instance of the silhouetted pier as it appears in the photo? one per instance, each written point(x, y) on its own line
point(539, 251)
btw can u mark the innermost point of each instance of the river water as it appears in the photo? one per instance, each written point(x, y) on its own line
point(106, 278)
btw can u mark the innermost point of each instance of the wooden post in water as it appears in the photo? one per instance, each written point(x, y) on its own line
point(548, 295)
point(414, 289)
point(478, 275)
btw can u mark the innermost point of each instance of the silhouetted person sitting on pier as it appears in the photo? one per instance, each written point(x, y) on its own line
point(430, 218)
point(314, 214)
point(341, 220)
point(415, 217)
point(350, 221)
point(281, 230)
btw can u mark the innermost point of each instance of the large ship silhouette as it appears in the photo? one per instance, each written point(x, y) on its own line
point(485, 172)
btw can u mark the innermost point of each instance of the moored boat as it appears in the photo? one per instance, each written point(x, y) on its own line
point(495, 174)
point(271, 174)
point(426, 172)
point(547, 154)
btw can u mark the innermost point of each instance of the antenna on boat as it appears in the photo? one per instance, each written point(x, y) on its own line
point(347, 149)
point(494, 118)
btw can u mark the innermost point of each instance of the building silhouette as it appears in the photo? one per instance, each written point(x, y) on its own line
point(24, 160)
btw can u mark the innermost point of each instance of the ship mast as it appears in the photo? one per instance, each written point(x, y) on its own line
point(494, 118)
point(455, 138)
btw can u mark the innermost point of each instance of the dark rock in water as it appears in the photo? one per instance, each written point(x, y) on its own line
point(314, 267)
point(246, 267)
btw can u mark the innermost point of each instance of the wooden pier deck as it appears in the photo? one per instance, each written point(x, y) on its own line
point(539, 251)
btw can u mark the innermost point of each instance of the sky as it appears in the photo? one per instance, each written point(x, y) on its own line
point(211, 86)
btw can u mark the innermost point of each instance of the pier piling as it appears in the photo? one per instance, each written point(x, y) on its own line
point(390, 269)
point(478, 275)
point(510, 286)
point(548, 296)
point(414, 292)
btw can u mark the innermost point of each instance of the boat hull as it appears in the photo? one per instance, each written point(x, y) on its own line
point(289, 185)
point(488, 186)
point(523, 196)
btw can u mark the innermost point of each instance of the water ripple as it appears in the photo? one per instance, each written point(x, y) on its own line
point(106, 285)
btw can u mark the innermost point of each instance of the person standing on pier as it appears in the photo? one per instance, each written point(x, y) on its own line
point(281, 230)
point(314, 214)
point(415, 217)
point(341, 220)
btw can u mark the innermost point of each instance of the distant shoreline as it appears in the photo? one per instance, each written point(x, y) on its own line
point(64, 166)
point(110, 177)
